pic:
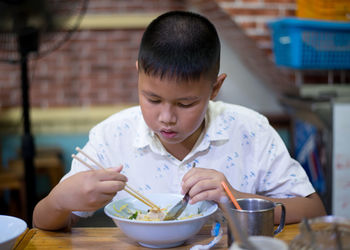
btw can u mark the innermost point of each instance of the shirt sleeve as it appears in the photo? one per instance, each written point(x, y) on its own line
point(281, 175)
point(107, 141)
point(95, 148)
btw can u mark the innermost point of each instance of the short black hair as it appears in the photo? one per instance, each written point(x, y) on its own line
point(180, 45)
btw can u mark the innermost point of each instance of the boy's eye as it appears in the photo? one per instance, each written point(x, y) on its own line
point(183, 105)
point(154, 101)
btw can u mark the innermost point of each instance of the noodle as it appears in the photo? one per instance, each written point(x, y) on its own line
point(151, 215)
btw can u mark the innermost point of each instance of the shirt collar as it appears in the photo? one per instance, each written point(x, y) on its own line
point(218, 122)
point(214, 128)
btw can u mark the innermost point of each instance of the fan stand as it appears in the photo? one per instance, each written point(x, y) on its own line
point(27, 42)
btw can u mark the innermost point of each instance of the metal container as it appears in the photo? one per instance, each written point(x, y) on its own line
point(321, 233)
point(257, 217)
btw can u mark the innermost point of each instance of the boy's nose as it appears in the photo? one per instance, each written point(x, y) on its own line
point(167, 115)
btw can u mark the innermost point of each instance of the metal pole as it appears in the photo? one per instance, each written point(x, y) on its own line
point(28, 147)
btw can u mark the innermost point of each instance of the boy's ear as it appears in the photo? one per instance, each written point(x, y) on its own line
point(137, 65)
point(217, 85)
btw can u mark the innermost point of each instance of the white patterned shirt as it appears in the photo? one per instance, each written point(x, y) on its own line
point(236, 141)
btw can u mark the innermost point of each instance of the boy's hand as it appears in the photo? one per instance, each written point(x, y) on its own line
point(89, 190)
point(203, 184)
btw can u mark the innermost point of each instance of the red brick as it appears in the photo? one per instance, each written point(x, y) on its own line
point(289, 13)
point(253, 12)
point(246, 25)
point(280, 1)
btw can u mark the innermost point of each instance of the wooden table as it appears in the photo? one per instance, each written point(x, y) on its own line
point(113, 238)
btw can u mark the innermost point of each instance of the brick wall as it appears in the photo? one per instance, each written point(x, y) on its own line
point(94, 68)
point(97, 67)
point(252, 16)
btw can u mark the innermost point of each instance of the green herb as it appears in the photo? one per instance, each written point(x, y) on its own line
point(133, 216)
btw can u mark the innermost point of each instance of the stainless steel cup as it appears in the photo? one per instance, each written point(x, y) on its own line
point(257, 217)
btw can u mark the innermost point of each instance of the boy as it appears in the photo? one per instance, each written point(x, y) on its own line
point(176, 124)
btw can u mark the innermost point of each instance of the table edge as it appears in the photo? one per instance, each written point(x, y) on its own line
point(25, 239)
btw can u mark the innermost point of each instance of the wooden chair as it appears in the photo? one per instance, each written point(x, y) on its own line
point(47, 161)
point(12, 180)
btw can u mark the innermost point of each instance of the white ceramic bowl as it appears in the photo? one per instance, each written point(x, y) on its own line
point(160, 234)
point(10, 228)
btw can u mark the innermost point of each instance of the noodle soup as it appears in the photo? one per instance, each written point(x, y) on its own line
point(149, 230)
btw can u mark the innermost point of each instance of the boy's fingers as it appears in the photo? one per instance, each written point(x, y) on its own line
point(212, 194)
point(111, 187)
point(203, 185)
point(194, 178)
point(189, 179)
point(104, 199)
point(190, 173)
point(109, 175)
point(118, 168)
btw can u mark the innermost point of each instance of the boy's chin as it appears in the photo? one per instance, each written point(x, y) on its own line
point(169, 140)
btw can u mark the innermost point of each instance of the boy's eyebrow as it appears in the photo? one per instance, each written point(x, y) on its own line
point(187, 98)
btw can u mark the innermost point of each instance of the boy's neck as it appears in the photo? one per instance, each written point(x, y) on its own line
point(180, 150)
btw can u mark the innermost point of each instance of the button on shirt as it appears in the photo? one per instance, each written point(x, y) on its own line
point(236, 141)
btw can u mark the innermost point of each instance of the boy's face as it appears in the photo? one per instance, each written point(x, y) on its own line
point(175, 110)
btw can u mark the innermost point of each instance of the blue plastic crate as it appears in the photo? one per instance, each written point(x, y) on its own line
point(310, 44)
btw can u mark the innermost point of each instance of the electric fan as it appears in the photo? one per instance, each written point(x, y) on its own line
point(30, 29)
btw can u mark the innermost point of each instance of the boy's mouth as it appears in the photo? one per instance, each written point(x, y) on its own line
point(168, 133)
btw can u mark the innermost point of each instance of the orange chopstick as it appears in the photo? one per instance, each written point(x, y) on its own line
point(229, 193)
